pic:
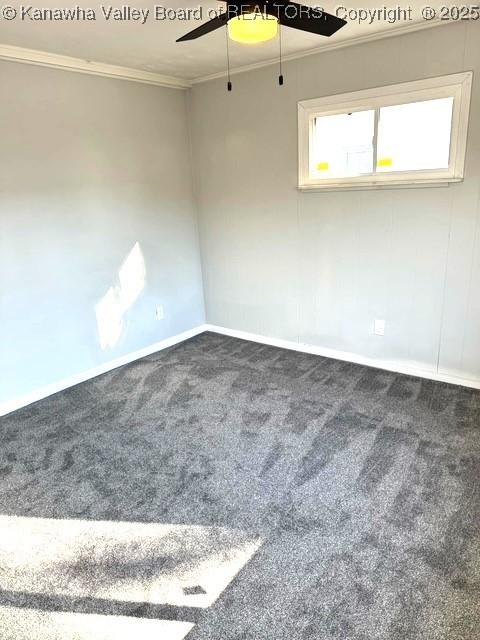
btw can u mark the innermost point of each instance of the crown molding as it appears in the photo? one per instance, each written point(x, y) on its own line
point(351, 42)
point(68, 63)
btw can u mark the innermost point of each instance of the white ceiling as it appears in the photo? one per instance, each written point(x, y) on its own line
point(152, 47)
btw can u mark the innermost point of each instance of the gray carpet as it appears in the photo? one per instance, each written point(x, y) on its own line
point(253, 492)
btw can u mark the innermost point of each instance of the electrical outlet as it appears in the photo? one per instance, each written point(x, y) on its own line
point(379, 327)
point(159, 313)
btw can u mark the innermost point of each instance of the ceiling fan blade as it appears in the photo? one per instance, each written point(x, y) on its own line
point(206, 27)
point(299, 16)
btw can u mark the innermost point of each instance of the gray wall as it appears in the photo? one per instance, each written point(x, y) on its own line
point(319, 267)
point(88, 167)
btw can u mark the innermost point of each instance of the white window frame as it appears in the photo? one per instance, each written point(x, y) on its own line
point(456, 85)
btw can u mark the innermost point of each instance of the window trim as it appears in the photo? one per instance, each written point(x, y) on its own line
point(457, 85)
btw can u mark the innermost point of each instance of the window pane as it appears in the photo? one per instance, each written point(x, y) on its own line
point(343, 145)
point(415, 136)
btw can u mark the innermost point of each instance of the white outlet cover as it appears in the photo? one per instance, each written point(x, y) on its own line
point(159, 313)
point(379, 327)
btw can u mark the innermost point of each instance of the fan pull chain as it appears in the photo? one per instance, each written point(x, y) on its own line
point(280, 77)
point(229, 83)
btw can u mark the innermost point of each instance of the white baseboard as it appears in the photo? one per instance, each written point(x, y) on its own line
point(43, 392)
point(388, 365)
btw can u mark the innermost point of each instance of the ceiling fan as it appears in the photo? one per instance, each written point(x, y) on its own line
point(288, 14)
point(254, 22)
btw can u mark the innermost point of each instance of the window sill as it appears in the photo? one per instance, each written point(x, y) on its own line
point(384, 184)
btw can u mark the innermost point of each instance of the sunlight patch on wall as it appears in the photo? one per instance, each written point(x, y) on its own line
point(31, 624)
point(181, 565)
point(118, 299)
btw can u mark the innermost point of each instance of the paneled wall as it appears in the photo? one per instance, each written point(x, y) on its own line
point(318, 268)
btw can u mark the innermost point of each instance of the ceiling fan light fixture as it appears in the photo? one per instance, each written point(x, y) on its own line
point(252, 28)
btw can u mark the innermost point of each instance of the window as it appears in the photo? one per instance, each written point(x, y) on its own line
point(407, 134)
